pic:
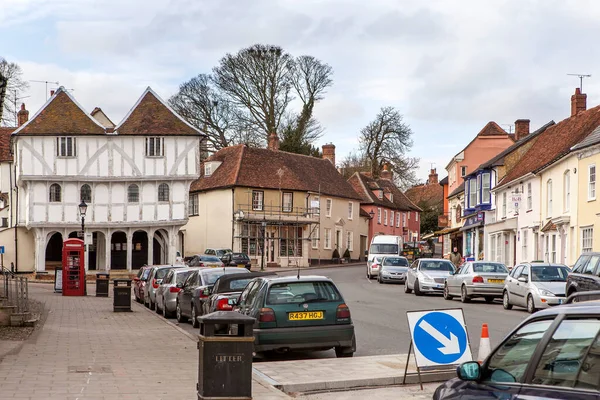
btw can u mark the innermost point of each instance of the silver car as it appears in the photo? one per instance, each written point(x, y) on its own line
point(393, 269)
point(535, 286)
point(166, 295)
point(428, 275)
point(477, 279)
point(373, 267)
point(157, 273)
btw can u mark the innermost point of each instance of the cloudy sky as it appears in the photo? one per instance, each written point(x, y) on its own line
point(448, 66)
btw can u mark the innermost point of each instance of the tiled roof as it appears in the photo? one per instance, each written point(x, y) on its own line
point(261, 168)
point(457, 191)
point(152, 116)
point(492, 129)
point(555, 142)
point(5, 133)
point(431, 194)
point(592, 139)
point(363, 185)
point(61, 115)
point(444, 181)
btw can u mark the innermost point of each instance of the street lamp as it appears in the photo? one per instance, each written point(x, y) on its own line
point(82, 211)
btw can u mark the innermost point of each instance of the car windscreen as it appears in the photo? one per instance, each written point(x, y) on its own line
point(210, 258)
point(161, 273)
point(441, 266)
point(302, 292)
point(384, 248)
point(240, 255)
point(396, 262)
point(236, 285)
point(549, 274)
point(210, 276)
point(490, 267)
point(182, 276)
point(146, 273)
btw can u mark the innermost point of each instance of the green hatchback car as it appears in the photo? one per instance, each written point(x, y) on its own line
point(298, 313)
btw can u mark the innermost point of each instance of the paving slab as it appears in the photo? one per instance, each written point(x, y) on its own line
point(413, 392)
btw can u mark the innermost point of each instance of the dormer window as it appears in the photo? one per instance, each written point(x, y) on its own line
point(380, 194)
point(210, 167)
point(66, 147)
point(155, 147)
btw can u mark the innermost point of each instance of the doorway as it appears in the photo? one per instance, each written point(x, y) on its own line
point(363, 247)
point(118, 250)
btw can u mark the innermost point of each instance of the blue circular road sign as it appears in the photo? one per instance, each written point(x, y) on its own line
point(440, 337)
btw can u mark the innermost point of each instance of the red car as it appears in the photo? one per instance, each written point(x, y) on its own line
point(139, 283)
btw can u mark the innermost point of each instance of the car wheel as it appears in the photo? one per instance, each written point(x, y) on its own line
point(530, 305)
point(418, 289)
point(152, 304)
point(447, 295)
point(379, 279)
point(178, 315)
point(344, 352)
point(489, 299)
point(195, 323)
point(156, 307)
point(505, 301)
point(406, 288)
point(463, 295)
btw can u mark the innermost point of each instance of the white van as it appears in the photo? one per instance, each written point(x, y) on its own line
point(382, 246)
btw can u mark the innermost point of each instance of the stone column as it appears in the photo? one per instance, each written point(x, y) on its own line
point(150, 235)
point(40, 250)
point(129, 234)
point(107, 249)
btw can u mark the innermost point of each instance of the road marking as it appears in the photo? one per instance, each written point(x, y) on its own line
point(368, 280)
point(449, 346)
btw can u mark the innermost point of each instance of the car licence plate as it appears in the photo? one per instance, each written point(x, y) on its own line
point(495, 280)
point(305, 315)
point(241, 266)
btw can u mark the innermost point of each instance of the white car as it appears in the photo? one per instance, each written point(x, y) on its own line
point(373, 267)
point(428, 275)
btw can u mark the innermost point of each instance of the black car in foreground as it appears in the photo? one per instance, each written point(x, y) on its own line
point(240, 260)
point(553, 354)
point(585, 275)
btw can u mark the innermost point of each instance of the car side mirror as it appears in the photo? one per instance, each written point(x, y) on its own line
point(469, 371)
point(452, 272)
point(522, 279)
point(206, 292)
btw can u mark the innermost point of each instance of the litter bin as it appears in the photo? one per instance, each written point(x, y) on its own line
point(225, 361)
point(121, 295)
point(102, 285)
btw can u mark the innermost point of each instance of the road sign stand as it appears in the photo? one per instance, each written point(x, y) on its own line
point(410, 349)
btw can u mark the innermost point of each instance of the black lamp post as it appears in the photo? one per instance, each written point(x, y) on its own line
point(82, 211)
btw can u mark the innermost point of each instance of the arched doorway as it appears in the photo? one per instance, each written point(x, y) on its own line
point(97, 252)
point(54, 247)
point(118, 250)
point(73, 235)
point(139, 251)
point(160, 247)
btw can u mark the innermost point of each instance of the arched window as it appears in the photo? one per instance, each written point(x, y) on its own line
point(163, 192)
point(55, 192)
point(133, 193)
point(85, 193)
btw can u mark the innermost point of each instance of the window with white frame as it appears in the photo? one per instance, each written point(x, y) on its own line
point(379, 216)
point(553, 252)
point(314, 238)
point(55, 193)
point(329, 207)
point(350, 210)
point(163, 192)
point(549, 198)
point(349, 241)
point(385, 220)
point(524, 243)
point(155, 147)
point(587, 235)
point(417, 216)
point(193, 206)
point(403, 219)
point(529, 199)
point(463, 171)
point(328, 238)
point(472, 192)
point(66, 147)
point(391, 218)
point(409, 215)
point(492, 247)
point(499, 247)
point(504, 205)
point(287, 201)
point(133, 193)
point(258, 197)
point(486, 185)
point(208, 170)
point(567, 190)
point(398, 219)
point(592, 182)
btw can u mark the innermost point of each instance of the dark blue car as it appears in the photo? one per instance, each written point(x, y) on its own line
point(554, 354)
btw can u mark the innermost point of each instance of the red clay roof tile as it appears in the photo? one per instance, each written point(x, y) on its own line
point(364, 186)
point(5, 133)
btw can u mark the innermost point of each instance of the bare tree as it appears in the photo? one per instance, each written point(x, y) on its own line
point(258, 81)
point(11, 86)
point(354, 162)
point(388, 139)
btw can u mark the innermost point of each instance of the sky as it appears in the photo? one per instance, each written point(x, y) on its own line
point(448, 66)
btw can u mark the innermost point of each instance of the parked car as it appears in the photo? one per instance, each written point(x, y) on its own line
point(227, 289)
point(428, 275)
point(585, 275)
point(157, 273)
point(393, 269)
point(535, 286)
point(298, 313)
point(196, 289)
point(166, 294)
point(373, 267)
point(219, 252)
point(240, 260)
point(476, 279)
point(139, 283)
point(553, 354)
point(202, 260)
point(382, 246)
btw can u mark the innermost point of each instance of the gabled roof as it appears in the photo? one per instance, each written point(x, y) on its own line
point(101, 117)
point(490, 129)
point(554, 143)
point(5, 133)
point(152, 116)
point(243, 166)
point(61, 115)
point(364, 186)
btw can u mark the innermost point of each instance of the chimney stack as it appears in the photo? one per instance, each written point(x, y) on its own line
point(329, 152)
point(22, 115)
point(521, 128)
point(386, 173)
point(578, 102)
point(433, 177)
point(273, 142)
point(51, 93)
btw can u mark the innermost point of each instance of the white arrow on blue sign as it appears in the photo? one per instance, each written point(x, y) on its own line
point(439, 337)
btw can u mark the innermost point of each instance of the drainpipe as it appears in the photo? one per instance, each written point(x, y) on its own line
point(233, 219)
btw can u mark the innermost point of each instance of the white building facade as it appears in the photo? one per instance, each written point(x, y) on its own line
point(134, 178)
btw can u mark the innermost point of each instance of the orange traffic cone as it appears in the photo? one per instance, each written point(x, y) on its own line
point(484, 344)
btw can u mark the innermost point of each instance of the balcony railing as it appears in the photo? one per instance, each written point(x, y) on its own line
point(282, 213)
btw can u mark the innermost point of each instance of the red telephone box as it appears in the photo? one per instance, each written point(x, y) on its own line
point(73, 272)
